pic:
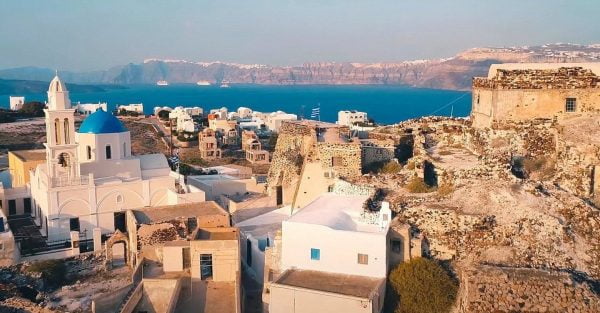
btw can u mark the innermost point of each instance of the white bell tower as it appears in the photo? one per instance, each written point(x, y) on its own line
point(61, 149)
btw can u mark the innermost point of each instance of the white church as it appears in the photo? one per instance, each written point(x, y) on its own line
point(90, 178)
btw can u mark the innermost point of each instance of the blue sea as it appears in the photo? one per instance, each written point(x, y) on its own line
point(385, 104)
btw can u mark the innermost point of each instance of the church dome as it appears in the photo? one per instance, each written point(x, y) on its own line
point(57, 85)
point(101, 122)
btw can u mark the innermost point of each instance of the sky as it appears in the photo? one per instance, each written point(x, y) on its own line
point(93, 35)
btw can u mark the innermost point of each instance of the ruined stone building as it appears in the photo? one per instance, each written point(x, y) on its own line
point(179, 252)
point(253, 148)
point(208, 145)
point(317, 152)
point(520, 92)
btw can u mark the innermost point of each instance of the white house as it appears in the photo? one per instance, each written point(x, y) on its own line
point(133, 107)
point(330, 247)
point(16, 103)
point(89, 108)
point(274, 120)
point(90, 178)
point(349, 118)
point(244, 112)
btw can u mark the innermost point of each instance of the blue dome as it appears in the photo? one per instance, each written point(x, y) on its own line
point(101, 122)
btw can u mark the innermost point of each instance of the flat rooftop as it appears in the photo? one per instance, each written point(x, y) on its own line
point(338, 212)
point(169, 212)
point(229, 233)
point(30, 155)
point(349, 285)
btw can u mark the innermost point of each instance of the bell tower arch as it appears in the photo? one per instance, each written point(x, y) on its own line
point(61, 149)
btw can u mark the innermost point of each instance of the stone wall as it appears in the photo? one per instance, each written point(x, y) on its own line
point(521, 95)
point(496, 289)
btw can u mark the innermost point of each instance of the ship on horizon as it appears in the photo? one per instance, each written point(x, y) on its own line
point(203, 83)
point(162, 83)
point(224, 84)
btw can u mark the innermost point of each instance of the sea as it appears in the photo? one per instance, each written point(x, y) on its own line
point(385, 104)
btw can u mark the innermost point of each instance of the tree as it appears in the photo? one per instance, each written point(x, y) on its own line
point(422, 286)
point(33, 109)
point(163, 115)
point(6, 117)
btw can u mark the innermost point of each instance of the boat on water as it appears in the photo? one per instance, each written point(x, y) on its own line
point(203, 83)
point(162, 83)
point(224, 84)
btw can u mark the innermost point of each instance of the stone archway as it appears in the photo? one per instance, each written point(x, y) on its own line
point(117, 237)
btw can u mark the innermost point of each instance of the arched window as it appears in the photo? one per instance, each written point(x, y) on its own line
point(108, 152)
point(89, 152)
point(119, 198)
point(66, 129)
point(124, 149)
point(56, 131)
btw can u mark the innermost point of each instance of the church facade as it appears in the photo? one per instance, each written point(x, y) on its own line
point(90, 178)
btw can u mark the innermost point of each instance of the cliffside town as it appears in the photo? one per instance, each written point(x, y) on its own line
point(507, 200)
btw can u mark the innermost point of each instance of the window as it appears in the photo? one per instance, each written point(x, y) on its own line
point(0, 204)
point(396, 246)
point(89, 152)
point(363, 258)
point(66, 129)
point(315, 254)
point(124, 149)
point(119, 198)
point(56, 130)
point(337, 161)
point(571, 105)
point(12, 207)
point(27, 205)
point(108, 153)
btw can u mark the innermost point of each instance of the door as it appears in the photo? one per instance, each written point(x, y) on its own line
point(27, 205)
point(12, 207)
point(119, 220)
point(206, 270)
point(279, 191)
point(74, 224)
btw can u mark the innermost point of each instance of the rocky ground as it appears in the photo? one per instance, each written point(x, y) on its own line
point(482, 214)
point(24, 291)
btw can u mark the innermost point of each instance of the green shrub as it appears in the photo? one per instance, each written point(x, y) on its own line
point(423, 286)
point(417, 185)
point(53, 271)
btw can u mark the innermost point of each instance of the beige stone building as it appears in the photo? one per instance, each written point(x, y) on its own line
point(520, 92)
point(208, 145)
point(186, 257)
point(253, 148)
point(376, 150)
point(312, 152)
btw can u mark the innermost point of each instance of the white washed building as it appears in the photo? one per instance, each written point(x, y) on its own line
point(16, 103)
point(349, 118)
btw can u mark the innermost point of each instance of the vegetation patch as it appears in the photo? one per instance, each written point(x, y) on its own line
point(53, 271)
point(418, 185)
point(423, 286)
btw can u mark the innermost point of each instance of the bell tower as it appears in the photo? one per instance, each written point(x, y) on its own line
point(61, 149)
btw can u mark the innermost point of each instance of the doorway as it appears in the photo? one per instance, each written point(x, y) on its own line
point(279, 192)
point(206, 268)
point(119, 220)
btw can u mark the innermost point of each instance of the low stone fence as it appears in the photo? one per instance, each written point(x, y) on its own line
point(501, 289)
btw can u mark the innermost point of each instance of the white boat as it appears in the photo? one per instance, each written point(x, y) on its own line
point(224, 84)
point(162, 83)
point(203, 83)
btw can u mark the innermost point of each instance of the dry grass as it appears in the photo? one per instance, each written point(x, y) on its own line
point(417, 185)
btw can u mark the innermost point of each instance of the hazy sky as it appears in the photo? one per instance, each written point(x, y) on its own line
point(85, 34)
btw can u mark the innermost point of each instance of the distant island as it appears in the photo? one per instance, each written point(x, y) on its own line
point(453, 73)
point(14, 86)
